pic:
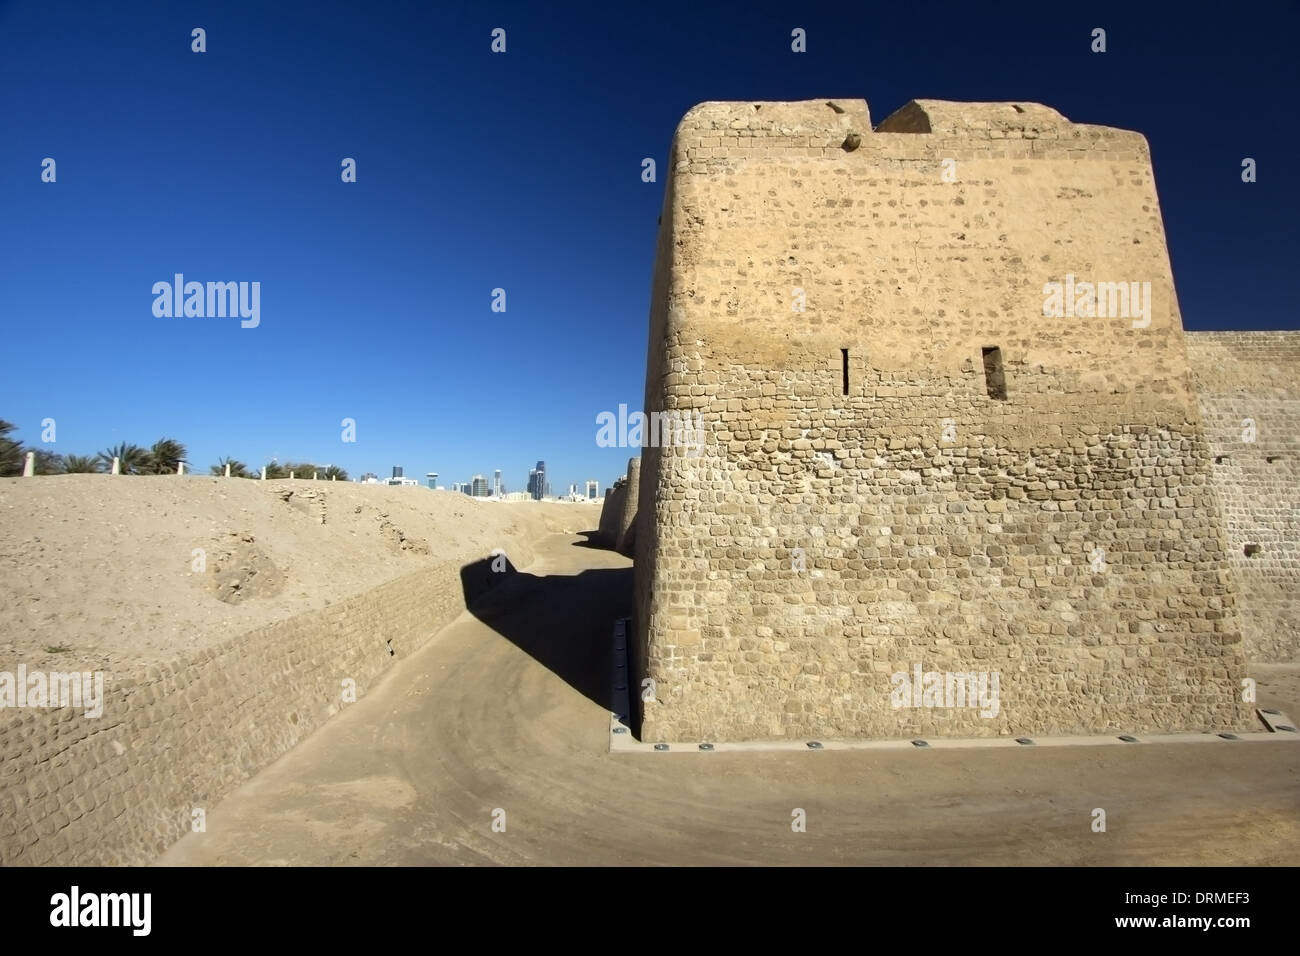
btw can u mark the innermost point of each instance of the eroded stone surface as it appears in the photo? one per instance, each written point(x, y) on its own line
point(618, 515)
point(1066, 537)
point(1246, 383)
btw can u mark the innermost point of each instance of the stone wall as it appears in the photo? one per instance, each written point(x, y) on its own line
point(119, 789)
point(1246, 379)
point(868, 500)
point(625, 539)
point(618, 524)
point(611, 513)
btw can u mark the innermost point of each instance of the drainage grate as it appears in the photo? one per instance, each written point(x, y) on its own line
point(1276, 720)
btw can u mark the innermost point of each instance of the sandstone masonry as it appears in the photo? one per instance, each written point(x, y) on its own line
point(1247, 384)
point(971, 485)
point(618, 515)
point(120, 789)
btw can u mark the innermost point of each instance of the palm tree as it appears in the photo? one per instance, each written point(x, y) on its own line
point(11, 452)
point(47, 462)
point(306, 469)
point(82, 465)
point(335, 473)
point(131, 459)
point(237, 468)
point(276, 470)
point(163, 456)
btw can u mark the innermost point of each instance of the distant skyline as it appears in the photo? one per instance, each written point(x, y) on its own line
point(488, 485)
point(481, 482)
point(518, 171)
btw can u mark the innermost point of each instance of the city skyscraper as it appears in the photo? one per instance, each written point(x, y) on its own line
point(537, 486)
point(497, 488)
point(480, 487)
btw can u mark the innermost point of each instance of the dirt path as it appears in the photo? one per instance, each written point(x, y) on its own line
point(510, 712)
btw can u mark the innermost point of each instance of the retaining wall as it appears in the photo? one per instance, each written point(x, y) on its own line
point(119, 789)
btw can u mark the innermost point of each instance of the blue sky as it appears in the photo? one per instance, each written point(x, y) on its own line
point(519, 171)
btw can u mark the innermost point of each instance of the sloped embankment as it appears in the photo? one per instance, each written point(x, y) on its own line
point(229, 619)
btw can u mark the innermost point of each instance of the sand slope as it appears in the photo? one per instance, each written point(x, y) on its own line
point(104, 565)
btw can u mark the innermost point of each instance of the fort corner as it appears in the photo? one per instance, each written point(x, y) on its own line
point(971, 485)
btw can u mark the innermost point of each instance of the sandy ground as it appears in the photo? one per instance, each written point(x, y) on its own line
point(506, 709)
point(102, 567)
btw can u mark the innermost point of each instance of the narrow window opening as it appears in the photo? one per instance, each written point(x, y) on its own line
point(1220, 459)
point(995, 379)
point(844, 357)
point(1251, 550)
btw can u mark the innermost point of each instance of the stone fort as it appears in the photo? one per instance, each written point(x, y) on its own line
point(917, 461)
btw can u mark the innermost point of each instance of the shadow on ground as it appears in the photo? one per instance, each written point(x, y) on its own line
point(564, 622)
point(592, 541)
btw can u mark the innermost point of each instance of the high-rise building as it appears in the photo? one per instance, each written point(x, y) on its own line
point(497, 488)
point(537, 486)
point(479, 487)
point(593, 490)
